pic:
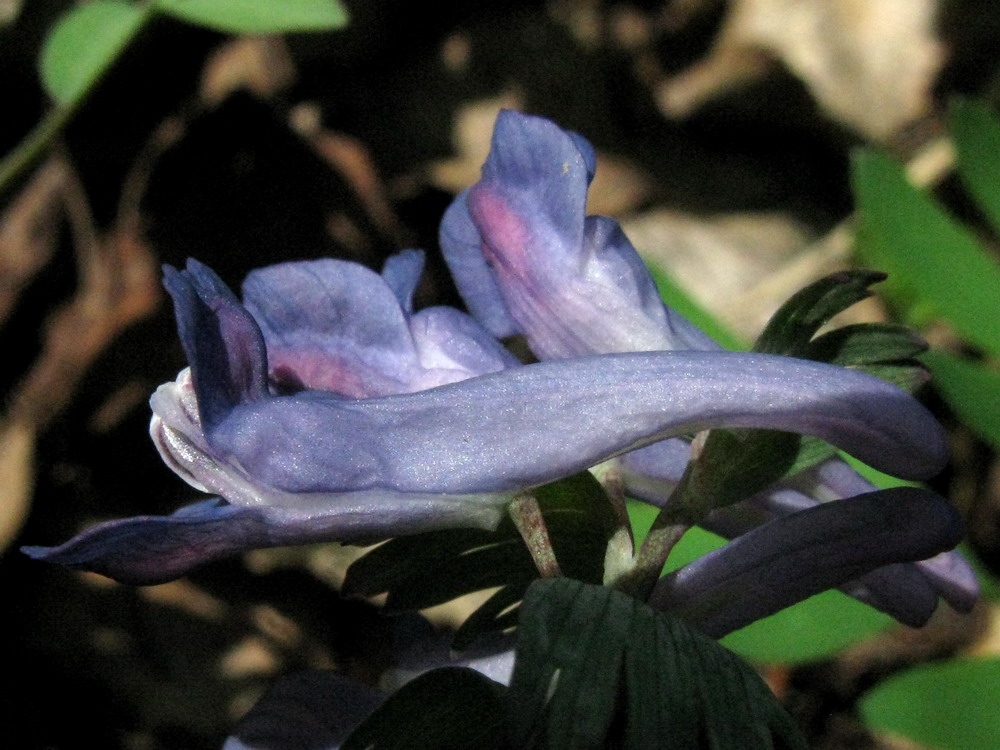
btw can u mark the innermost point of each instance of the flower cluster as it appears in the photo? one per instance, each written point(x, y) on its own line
point(322, 407)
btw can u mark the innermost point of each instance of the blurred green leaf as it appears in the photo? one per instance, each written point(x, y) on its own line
point(84, 44)
point(811, 630)
point(975, 131)
point(454, 708)
point(815, 629)
point(952, 705)
point(929, 254)
point(972, 390)
point(596, 668)
point(256, 17)
point(680, 301)
point(876, 477)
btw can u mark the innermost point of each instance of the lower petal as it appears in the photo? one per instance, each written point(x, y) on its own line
point(797, 556)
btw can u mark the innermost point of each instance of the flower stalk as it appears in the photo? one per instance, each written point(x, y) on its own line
point(527, 516)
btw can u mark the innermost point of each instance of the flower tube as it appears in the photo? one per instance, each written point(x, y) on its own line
point(297, 456)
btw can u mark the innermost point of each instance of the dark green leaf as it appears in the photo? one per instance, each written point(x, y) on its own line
point(864, 343)
point(972, 390)
point(930, 255)
point(256, 17)
point(384, 566)
point(976, 133)
point(795, 323)
point(498, 613)
point(427, 569)
point(735, 464)
point(447, 709)
point(949, 706)
point(84, 44)
point(738, 463)
point(885, 350)
point(596, 668)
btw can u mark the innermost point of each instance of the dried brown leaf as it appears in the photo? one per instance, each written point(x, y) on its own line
point(870, 65)
point(722, 260)
point(29, 229)
point(17, 458)
point(118, 286)
point(259, 64)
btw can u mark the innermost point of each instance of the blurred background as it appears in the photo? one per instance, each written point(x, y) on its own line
point(724, 129)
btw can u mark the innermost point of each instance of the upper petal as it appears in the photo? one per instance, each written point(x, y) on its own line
point(462, 248)
point(401, 273)
point(220, 336)
point(332, 325)
point(574, 285)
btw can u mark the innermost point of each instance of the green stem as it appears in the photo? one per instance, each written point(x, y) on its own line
point(679, 513)
point(34, 145)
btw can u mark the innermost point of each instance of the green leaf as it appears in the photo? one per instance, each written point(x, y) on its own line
point(453, 708)
point(426, 569)
point(596, 668)
point(84, 44)
point(793, 326)
point(814, 629)
point(885, 350)
point(876, 477)
point(256, 17)
point(928, 254)
point(680, 301)
point(948, 706)
point(975, 130)
point(735, 464)
point(972, 390)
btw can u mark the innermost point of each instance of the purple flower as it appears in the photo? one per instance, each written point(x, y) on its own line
point(528, 260)
point(322, 408)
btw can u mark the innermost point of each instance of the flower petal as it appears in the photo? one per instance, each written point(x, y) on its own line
point(949, 574)
point(905, 592)
point(573, 285)
point(451, 346)
point(208, 313)
point(332, 325)
point(153, 549)
point(461, 246)
point(526, 426)
point(401, 273)
point(954, 580)
point(805, 553)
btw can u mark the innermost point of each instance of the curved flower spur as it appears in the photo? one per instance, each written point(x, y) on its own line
point(528, 260)
point(313, 422)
